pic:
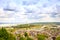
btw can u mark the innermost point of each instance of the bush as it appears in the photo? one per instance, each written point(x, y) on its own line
point(26, 34)
point(22, 38)
point(11, 37)
point(28, 38)
point(2, 39)
point(58, 38)
point(41, 37)
point(4, 35)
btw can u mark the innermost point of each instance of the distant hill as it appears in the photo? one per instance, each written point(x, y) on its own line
point(58, 23)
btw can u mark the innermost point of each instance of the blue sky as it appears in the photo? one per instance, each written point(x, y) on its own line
point(28, 11)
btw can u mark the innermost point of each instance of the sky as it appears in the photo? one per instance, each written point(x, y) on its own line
point(28, 11)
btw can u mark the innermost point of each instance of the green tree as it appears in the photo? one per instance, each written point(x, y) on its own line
point(58, 38)
point(2, 39)
point(41, 37)
point(22, 38)
point(29, 38)
point(26, 34)
point(5, 35)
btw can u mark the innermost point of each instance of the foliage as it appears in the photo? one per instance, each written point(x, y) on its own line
point(11, 37)
point(26, 34)
point(22, 38)
point(29, 38)
point(5, 35)
point(41, 37)
point(24, 26)
point(58, 38)
point(2, 39)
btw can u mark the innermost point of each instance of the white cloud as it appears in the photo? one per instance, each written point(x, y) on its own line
point(29, 13)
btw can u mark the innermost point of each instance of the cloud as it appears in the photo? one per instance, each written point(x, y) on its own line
point(27, 11)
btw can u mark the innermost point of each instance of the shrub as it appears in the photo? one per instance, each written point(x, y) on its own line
point(4, 35)
point(22, 38)
point(2, 39)
point(26, 34)
point(41, 37)
point(29, 38)
point(58, 38)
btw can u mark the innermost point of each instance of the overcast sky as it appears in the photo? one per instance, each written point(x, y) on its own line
point(28, 11)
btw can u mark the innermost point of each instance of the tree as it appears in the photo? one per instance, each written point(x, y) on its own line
point(26, 34)
point(41, 37)
point(58, 38)
point(29, 38)
point(2, 39)
point(22, 38)
point(5, 35)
